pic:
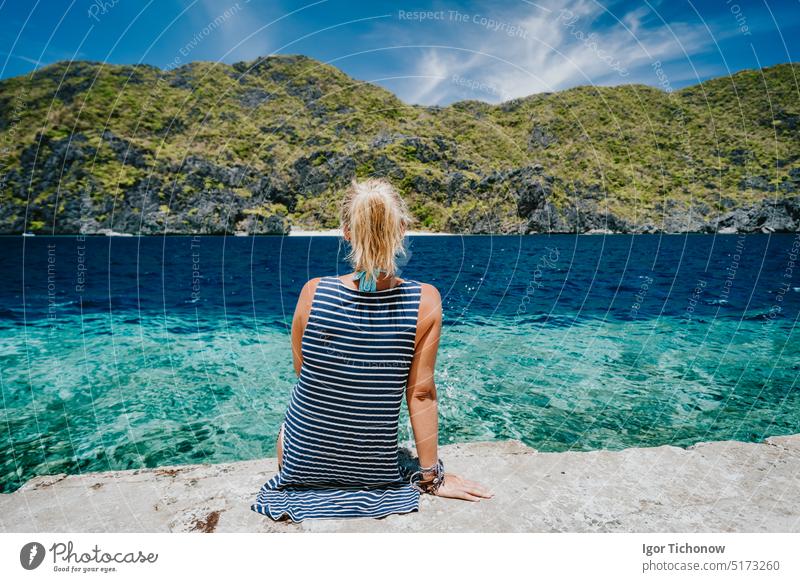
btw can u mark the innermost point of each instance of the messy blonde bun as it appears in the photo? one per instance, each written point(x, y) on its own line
point(376, 217)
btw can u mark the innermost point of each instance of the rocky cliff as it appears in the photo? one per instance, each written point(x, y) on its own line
point(260, 146)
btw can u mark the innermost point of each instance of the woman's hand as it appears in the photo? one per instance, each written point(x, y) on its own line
point(456, 487)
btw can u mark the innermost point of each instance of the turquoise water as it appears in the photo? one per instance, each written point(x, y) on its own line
point(124, 353)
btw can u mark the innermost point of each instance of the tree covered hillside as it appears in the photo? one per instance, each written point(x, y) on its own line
point(260, 146)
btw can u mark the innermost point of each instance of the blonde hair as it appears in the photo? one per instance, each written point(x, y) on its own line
point(377, 218)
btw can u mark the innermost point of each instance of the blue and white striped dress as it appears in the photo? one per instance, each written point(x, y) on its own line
point(340, 450)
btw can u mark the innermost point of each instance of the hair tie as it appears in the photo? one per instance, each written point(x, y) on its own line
point(367, 282)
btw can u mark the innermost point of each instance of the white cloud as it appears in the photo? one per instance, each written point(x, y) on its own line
point(432, 80)
point(534, 50)
point(240, 34)
point(30, 60)
point(633, 19)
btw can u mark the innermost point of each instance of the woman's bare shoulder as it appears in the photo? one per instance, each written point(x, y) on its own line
point(430, 301)
point(307, 292)
point(429, 292)
point(312, 283)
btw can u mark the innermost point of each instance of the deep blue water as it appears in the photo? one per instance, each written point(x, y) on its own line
point(127, 352)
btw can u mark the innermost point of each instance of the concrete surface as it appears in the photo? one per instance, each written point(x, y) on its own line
point(709, 487)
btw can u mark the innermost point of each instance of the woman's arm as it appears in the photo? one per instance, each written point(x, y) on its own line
point(300, 320)
point(421, 391)
point(421, 398)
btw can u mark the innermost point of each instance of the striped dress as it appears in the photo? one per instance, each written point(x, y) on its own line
point(340, 450)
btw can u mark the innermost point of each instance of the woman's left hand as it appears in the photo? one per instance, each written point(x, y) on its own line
point(456, 487)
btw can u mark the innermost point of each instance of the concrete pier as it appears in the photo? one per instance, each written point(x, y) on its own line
point(709, 487)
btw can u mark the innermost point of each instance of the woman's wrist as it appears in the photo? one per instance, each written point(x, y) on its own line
point(428, 460)
point(428, 468)
point(428, 472)
point(429, 479)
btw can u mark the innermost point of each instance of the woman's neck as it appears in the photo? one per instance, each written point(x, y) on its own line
point(386, 282)
point(382, 283)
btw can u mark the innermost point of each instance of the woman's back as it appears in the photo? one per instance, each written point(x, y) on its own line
point(341, 425)
point(340, 450)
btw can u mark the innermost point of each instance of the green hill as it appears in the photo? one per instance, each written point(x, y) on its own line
point(256, 147)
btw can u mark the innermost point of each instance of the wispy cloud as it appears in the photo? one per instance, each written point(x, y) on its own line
point(36, 62)
point(238, 20)
point(546, 46)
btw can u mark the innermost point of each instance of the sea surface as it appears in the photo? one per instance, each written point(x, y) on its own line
point(120, 353)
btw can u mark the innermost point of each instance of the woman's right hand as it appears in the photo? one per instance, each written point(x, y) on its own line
point(456, 487)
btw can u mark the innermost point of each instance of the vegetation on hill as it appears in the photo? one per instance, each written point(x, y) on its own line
point(259, 146)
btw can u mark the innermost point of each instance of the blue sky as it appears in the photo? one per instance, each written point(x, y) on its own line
point(425, 52)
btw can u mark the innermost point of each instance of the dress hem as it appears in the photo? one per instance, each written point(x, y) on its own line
point(265, 511)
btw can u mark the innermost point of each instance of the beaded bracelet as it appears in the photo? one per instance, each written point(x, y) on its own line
point(428, 486)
